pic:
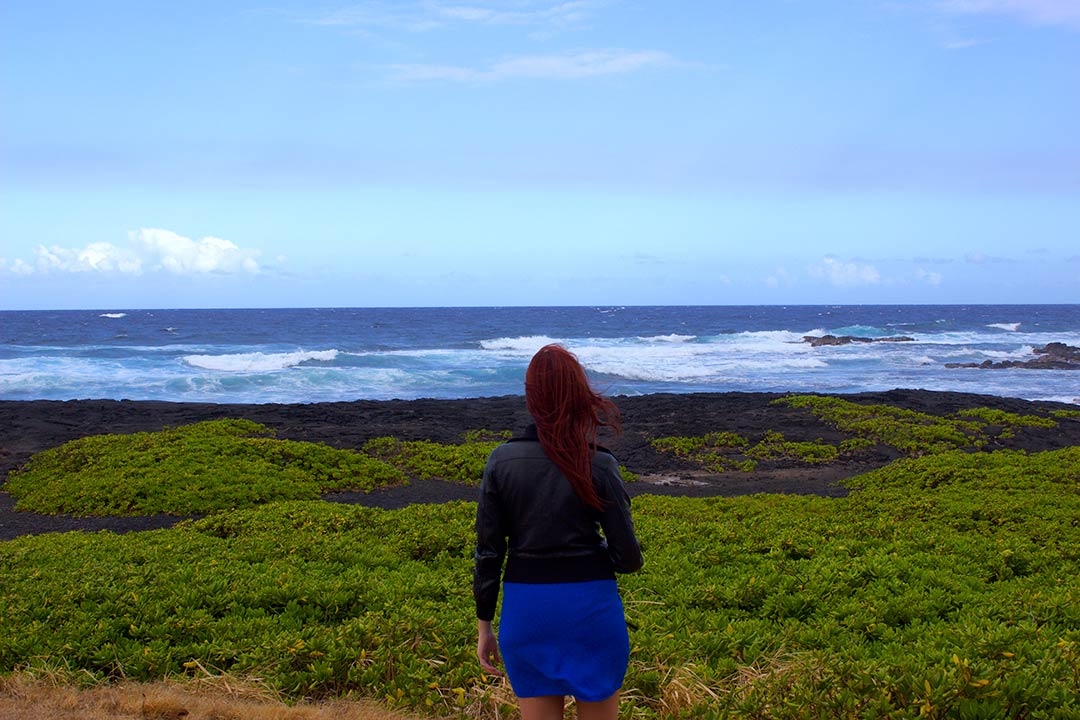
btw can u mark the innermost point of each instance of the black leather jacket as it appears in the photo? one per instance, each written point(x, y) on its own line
point(529, 514)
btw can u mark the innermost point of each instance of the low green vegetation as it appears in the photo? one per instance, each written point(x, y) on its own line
point(722, 451)
point(908, 431)
point(193, 469)
point(944, 585)
point(916, 433)
point(774, 446)
point(426, 460)
point(1004, 419)
point(689, 447)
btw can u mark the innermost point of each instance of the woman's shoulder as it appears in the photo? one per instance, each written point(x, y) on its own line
point(605, 458)
point(516, 447)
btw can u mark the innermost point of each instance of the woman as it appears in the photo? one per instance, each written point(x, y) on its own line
point(544, 500)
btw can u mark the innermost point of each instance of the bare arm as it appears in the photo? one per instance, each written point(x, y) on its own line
point(487, 647)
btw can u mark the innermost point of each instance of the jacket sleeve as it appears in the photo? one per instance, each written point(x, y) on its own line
point(490, 546)
point(615, 519)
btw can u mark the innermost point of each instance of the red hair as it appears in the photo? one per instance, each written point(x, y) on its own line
point(568, 416)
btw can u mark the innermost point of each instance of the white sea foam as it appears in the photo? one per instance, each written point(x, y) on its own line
point(673, 338)
point(860, 331)
point(1024, 353)
point(528, 344)
point(1011, 327)
point(258, 361)
point(728, 356)
point(114, 316)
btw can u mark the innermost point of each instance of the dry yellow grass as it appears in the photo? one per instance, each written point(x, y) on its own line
point(25, 698)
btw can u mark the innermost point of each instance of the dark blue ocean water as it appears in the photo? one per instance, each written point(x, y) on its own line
point(311, 355)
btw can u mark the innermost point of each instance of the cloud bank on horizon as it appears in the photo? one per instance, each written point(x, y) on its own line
point(538, 152)
point(149, 250)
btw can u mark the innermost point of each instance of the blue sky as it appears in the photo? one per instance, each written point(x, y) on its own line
point(538, 152)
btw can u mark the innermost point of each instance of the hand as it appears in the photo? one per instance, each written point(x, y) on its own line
point(487, 648)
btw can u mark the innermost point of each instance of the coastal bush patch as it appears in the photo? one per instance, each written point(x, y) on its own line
point(692, 447)
point(722, 451)
point(911, 432)
point(774, 446)
point(426, 460)
point(916, 433)
point(486, 436)
point(1001, 418)
point(855, 445)
point(716, 451)
point(192, 469)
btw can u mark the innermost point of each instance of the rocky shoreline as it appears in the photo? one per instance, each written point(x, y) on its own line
point(1052, 356)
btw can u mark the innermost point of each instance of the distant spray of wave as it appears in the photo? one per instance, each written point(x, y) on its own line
point(258, 362)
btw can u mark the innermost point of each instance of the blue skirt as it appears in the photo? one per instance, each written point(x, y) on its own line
point(564, 639)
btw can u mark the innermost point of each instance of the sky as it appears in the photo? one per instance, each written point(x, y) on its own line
point(414, 153)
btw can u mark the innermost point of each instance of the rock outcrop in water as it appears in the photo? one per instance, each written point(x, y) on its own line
point(819, 340)
point(1052, 356)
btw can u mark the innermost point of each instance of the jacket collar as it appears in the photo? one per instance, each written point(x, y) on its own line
point(530, 435)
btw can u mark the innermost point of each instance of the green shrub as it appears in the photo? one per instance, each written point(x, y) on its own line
point(912, 432)
point(773, 446)
point(426, 460)
point(723, 451)
point(194, 469)
point(1004, 419)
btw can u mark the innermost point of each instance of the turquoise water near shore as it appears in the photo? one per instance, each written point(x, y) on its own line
point(318, 355)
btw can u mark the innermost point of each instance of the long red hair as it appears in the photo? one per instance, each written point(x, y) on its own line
point(568, 416)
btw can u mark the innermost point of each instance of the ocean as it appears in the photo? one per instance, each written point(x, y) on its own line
point(335, 354)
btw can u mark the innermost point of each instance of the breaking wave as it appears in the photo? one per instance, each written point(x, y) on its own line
point(257, 361)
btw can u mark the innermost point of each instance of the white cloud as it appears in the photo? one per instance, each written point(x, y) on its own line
point(585, 64)
point(962, 44)
point(590, 63)
point(429, 15)
point(427, 72)
point(978, 257)
point(929, 277)
point(1038, 12)
point(95, 257)
point(182, 256)
point(541, 19)
point(845, 273)
point(150, 249)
